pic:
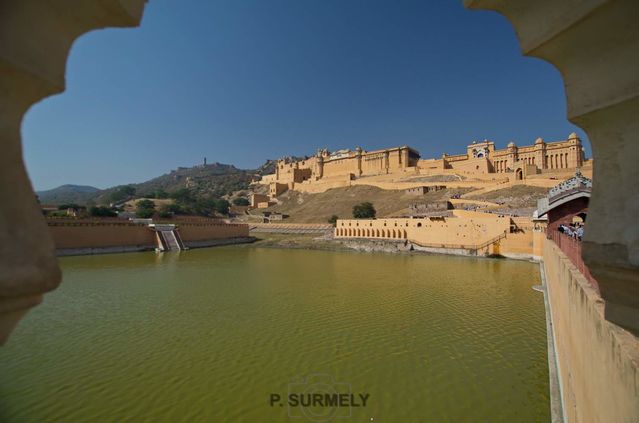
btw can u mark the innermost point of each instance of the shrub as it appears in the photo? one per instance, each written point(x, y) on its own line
point(66, 206)
point(333, 219)
point(241, 201)
point(144, 213)
point(364, 211)
point(171, 209)
point(101, 211)
point(145, 209)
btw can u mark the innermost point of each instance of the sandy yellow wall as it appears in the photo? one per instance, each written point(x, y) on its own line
point(598, 361)
point(517, 244)
point(101, 235)
point(466, 229)
point(204, 232)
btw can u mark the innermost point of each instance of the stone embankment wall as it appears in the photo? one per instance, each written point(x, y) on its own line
point(464, 230)
point(598, 361)
point(399, 246)
point(72, 235)
point(89, 237)
point(461, 234)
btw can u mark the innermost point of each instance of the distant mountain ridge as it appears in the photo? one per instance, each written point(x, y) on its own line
point(217, 179)
point(68, 193)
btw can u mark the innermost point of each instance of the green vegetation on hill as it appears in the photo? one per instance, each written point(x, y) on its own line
point(213, 180)
point(78, 194)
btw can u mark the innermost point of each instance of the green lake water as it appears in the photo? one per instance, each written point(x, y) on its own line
point(208, 335)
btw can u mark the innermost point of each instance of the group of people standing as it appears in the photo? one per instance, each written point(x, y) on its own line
point(576, 230)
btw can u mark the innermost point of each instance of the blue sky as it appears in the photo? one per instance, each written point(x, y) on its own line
point(242, 81)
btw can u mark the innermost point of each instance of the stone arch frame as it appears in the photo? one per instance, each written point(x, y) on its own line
point(602, 99)
point(35, 42)
point(558, 32)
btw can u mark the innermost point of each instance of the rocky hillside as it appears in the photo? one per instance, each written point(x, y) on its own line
point(318, 208)
point(215, 179)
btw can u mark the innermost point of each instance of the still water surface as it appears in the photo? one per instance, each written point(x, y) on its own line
point(208, 335)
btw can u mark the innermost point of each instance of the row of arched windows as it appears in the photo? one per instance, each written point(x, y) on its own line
point(372, 233)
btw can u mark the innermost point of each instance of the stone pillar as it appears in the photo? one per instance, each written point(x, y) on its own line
point(594, 46)
point(386, 161)
point(35, 39)
point(512, 156)
point(540, 153)
point(320, 166)
point(358, 154)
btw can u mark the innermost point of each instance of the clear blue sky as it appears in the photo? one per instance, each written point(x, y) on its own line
point(241, 81)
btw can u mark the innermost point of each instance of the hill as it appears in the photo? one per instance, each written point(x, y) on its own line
point(212, 179)
point(318, 208)
point(216, 179)
point(78, 194)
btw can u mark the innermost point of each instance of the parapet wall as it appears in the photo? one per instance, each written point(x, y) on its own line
point(70, 235)
point(203, 232)
point(598, 361)
point(112, 236)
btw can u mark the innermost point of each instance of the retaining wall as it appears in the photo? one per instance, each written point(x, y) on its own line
point(598, 361)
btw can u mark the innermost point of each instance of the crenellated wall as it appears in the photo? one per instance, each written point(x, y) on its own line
point(598, 361)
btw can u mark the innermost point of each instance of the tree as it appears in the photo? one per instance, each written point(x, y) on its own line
point(333, 219)
point(162, 194)
point(172, 208)
point(183, 197)
point(66, 206)
point(145, 209)
point(241, 201)
point(364, 211)
point(144, 213)
point(101, 211)
point(222, 206)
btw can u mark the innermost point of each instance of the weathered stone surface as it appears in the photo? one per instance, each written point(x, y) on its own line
point(594, 44)
point(35, 39)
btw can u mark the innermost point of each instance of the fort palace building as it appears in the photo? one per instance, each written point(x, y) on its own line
point(481, 158)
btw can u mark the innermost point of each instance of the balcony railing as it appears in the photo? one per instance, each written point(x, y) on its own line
point(571, 247)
